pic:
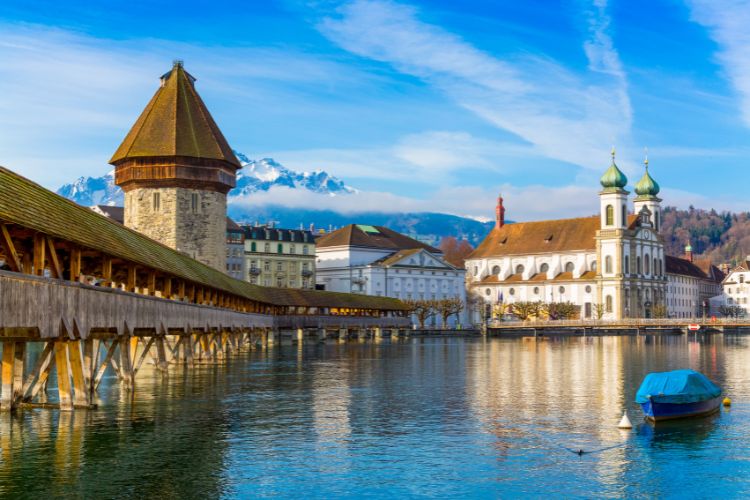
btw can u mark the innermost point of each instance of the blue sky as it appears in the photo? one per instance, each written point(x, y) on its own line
point(433, 105)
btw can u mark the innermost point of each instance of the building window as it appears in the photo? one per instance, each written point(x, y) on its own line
point(588, 289)
point(278, 266)
point(487, 292)
point(624, 216)
point(627, 265)
point(267, 247)
point(512, 291)
point(647, 264)
point(610, 215)
point(157, 202)
point(608, 303)
point(569, 267)
point(536, 290)
point(638, 265)
point(608, 264)
point(656, 221)
point(496, 270)
point(291, 249)
point(278, 282)
point(519, 269)
point(194, 202)
point(304, 266)
point(253, 247)
point(544, 268)
point(280, 248)
point(304, 250)
point(267, 265)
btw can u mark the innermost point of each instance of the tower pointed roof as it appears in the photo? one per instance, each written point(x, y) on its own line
point(176, 123)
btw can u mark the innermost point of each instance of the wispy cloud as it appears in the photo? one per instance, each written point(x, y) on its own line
point(563, 114)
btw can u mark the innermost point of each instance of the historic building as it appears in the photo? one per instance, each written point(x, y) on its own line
point(375, 260)
point(235, 250)
point(283, 258)
point(611, 264)
point(736, 288)
point(691, 284)
point(176, 168)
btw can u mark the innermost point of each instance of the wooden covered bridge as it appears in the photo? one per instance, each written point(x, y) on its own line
point(94, 294)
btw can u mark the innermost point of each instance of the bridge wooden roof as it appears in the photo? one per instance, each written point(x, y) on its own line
point(29, 205)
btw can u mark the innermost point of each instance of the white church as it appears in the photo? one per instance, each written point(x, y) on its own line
point(615, 259)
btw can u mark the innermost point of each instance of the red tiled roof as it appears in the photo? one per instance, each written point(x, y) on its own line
point(382, 237)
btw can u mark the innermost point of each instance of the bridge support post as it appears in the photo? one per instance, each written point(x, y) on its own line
point(75, 359)
point(377, 332)
point(63, 375)
point(126, 364)
point(8, 375)
point(273, 336)
point(161, 355)
point(188, 348)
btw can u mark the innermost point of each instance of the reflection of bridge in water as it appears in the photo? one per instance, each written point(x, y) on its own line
point(96, 294)
point(620, 327)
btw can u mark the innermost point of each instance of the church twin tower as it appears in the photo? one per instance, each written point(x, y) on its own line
point(176, 169)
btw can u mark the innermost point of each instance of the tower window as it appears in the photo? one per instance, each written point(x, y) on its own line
point(608, 304)
point(157, 202)
point(627, 265)
point(638, 265)
point(624, 216)
point(610, 211)
point(194, 202)
point(647, 264)
point(608, 264)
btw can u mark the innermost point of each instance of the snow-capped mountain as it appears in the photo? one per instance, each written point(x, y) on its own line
point(256, 175)
point(89, 191)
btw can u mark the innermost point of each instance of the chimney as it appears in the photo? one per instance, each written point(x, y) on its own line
point(499, 213)
point(689, 252)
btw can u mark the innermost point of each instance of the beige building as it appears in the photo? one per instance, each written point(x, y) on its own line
point(283, 258)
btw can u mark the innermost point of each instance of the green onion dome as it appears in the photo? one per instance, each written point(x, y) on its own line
point(647, 186)
point(613, 178)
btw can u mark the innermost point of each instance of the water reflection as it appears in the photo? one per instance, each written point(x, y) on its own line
point(415, 417)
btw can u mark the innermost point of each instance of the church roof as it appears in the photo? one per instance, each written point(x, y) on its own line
point(358, 235)
point(678, 265)
point(613, 178)
point(647, 187)
point(176, 122)
point(548, 236)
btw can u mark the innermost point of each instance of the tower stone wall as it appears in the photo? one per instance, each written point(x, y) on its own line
point(188, 220)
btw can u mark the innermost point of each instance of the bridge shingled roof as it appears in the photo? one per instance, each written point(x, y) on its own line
point(29, 205)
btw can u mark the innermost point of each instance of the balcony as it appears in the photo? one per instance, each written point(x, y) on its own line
point(255, 271)
point(307, 273)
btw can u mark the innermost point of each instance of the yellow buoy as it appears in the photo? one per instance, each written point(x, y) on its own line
point(625, 422)
point(727, 402)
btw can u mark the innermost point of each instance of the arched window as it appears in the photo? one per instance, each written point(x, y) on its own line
point(627, 265)
point(280, 248)
point(253, 247)
point(544, 268)
point(608, 264)
point(496, 270)
point(536, 290)
point(624, 216)
point(561, 290)
point(519, 269)
point(569, 267)
point(608, 303)
point(610, 211)
point(638, 264)
point(593, 265)
point(646, 265)
point(657, 271)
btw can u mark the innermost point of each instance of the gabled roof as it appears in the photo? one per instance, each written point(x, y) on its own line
point(397, 257)
point(712, 272)
point(29, 205)
point(176, 122)
point(683, 267)
point(357, 235)
point(560, 235)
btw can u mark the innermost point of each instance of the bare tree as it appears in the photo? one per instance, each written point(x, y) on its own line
point(448, 307)
point(422, 309)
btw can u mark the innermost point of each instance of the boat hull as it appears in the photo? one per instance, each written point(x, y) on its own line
point(667, 411)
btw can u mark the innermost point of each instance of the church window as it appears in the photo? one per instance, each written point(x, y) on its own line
point(646, 264)
point(593, 265)
point(561, 290)
point(742, 278)
point(253, 247)
point(657, 271)
point(536, 290)
point(608, 264)
point(544, 268)
point(569, 267)
point(656, 221)
point(638, 264)
point(487, 292)
point(519, 269)
point(280, 248)
point(624, 216)
point(496, 270)
point(194, 202)
point(608, 304)
point(157, 202)
point(588, 288)
point(627, 265)
point(610, 213)
point(512, 291)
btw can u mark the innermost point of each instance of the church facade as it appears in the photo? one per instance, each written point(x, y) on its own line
point(611, 266)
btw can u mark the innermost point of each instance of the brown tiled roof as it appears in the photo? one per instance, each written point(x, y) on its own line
point(357, 236)
point(396, 256)
point(712, 271)
point(683, 267)
point(560, 235)
point(176, 122)
point(29, 205)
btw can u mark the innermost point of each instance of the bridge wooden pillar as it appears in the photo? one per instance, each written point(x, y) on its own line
point(63, 375)
point(8, 375)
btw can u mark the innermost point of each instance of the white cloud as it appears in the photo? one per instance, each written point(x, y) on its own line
point(565, 116)
point(727, 22)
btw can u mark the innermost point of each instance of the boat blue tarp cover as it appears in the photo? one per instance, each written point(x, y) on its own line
point(677, 387)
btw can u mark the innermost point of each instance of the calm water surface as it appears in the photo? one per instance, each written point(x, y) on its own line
point(409, 418)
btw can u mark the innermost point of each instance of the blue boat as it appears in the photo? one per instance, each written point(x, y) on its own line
point(678, 394)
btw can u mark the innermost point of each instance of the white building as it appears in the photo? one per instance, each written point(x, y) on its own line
point(736, 287)
point(375, 260)
point(691, 284)
point(613, 262)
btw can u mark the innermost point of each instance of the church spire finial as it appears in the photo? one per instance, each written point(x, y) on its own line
point(645, 158)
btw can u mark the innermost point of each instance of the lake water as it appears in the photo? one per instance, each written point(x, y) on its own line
point(408, 418)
